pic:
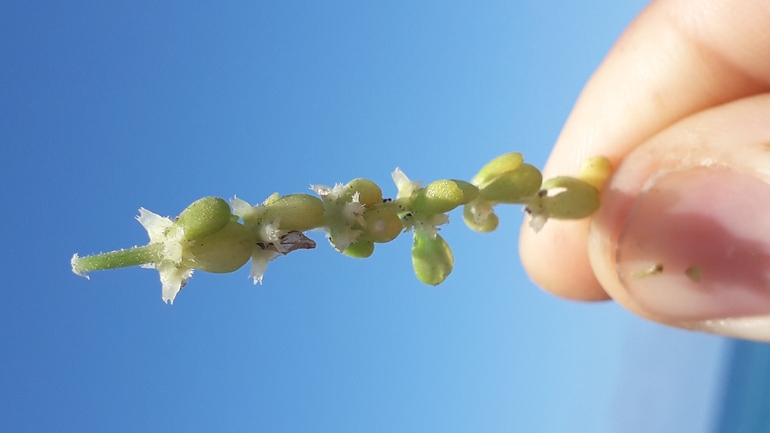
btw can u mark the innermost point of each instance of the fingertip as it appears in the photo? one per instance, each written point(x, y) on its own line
point(556, 260)
point(680, 237)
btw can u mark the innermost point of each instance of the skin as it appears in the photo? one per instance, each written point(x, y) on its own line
point(681, 64)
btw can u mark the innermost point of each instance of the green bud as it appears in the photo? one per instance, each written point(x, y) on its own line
point(489, 223)
point(439, 197)
point(298, 212)
point(470, 191)
point(513, 186)
point(595, 171)
point(360, 249)
point(224, 251)
point(496, 167)
point(369, 194)
point(382, 225)
point(204, 217)
point(432, 258)
point(572, 198)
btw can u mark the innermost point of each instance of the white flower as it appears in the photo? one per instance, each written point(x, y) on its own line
point(537, 216)
point(330, 193)
point(264, 253)
point(173, 273)
point(406, 187)
point(341, 239)
point(354, 210)
point(241, 208)
point(537, 221)
point(172, 278)
point(259, 260)
point(430, 226)
point(270, 234)
point(344, 229)
point(406, 190)
point(245, 211)
point(480, 209)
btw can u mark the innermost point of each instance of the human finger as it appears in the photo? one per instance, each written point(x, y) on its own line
point(679, 57)
point(682, 238)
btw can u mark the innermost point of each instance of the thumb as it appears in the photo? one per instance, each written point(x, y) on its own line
point(683, 235)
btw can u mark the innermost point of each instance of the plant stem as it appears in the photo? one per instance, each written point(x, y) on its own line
point(116, 259)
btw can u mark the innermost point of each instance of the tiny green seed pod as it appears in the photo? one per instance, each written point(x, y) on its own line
point(513, 186)
point(576, 198)
point(470, 191)
point(204, 217)
point(496, 167)
point(595, 171)
point(489, 224)
point(369, 193)
point(224, 251)
point(438, 197)
point(432, 258)
point(382, 225)
point(360, 249)
point(298, 212)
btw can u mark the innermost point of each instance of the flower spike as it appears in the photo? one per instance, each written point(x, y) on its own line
point(211, 235)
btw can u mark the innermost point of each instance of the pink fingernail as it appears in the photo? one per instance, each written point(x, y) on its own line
point(696, 245)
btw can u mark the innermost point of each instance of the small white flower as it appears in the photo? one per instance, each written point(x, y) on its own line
point(537, 221)
point(481, 210)
point(329, 193)
point(430, 226)
point(172, 278)
point(406, 190)
point(241, 207)
point(406, 187)
point(155, 224)
point(354, 210)
point(173, 274)
point(265, 253)
point(245, 211)
point(270, 234)
point(259, 260)
point(341, 239)
point(348, 215)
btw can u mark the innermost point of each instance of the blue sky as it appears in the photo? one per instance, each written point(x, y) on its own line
point(108, 107)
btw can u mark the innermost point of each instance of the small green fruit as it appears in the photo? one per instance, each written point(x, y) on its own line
point(369, 193)
point(360, 249)
point(470, 191)
point(224, 251)
point(596, 171)
point(298, 212)
point(496, 167)
point(204, 217)
point(438, 197)
point(513, 186)
point(574, 198)
point(489, 223)
point(382, 225)
point(432, 258)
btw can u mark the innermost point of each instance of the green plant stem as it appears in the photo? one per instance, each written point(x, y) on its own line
point(117, 259)
point(400, 205)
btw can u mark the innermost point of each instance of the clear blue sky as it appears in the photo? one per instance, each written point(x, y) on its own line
point(106, 107)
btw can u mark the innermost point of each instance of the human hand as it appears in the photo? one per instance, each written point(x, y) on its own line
point(681, 109)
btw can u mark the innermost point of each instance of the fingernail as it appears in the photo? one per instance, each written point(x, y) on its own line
point(752, 328)
point(696, 245)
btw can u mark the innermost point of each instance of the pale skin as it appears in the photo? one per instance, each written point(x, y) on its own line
point(683, 91)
